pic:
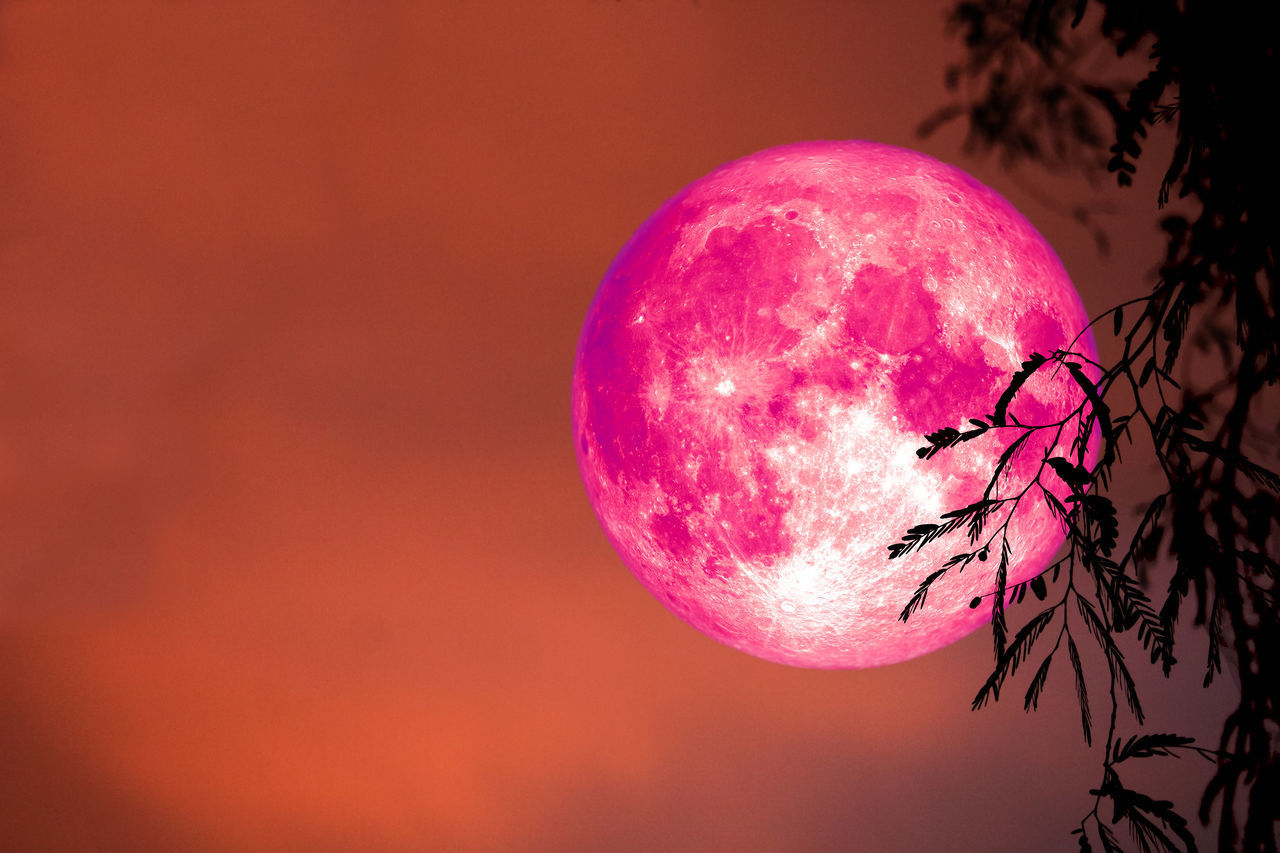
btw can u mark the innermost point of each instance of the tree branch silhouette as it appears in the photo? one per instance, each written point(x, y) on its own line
point(1025, 92)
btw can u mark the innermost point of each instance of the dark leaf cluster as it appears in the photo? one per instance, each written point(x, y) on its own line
point(1031, 88)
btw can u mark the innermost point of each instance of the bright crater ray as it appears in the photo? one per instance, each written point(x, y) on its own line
point(759, 366)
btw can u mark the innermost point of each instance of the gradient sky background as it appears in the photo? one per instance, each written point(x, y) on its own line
point(294, 552)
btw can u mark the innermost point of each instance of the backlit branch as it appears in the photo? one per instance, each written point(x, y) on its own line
point(1028, 90)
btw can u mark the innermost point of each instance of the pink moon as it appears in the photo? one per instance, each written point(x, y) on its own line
point(761, 363)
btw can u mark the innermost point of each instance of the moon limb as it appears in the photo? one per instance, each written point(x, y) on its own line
point(750, 387)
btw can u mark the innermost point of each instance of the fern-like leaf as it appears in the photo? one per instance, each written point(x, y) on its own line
point(1082, 692)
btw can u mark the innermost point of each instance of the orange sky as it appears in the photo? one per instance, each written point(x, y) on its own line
point(294, 552)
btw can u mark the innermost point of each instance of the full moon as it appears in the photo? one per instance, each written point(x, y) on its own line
point(763, 360)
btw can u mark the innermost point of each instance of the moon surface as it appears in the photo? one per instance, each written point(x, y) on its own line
point(761, 363)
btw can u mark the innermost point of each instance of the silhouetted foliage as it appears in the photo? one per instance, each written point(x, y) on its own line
point(1028, 92)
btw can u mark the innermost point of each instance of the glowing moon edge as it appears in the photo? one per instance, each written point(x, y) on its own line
point(758, 368)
